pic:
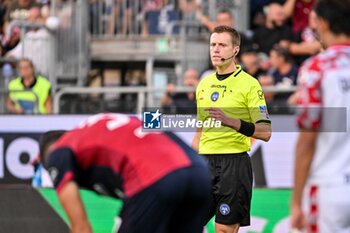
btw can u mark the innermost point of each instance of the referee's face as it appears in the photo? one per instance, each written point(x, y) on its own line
point(221, 47)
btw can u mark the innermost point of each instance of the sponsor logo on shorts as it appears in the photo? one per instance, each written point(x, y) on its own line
point(224, 209)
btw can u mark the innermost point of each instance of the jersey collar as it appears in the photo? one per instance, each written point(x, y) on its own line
point(222, 77)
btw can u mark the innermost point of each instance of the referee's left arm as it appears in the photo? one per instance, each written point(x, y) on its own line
point(259, 130)
point(259, 124)
point(262, 131)
point(258, 112)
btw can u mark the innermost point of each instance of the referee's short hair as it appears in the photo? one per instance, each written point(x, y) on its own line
point(46, 140)
point(336, 13)
point(236, 38)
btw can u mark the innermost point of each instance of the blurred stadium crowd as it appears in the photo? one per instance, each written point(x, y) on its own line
point(146, 43)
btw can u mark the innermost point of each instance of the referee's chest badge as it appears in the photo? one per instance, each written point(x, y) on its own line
point(224, 209)
point(215, 96)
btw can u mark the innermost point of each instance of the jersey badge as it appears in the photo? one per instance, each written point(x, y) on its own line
point(224, 209)
point(215, 96)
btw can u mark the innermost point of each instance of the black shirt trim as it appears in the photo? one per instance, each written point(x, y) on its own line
point(222, 77)
point(263, 121)
point(31, 85)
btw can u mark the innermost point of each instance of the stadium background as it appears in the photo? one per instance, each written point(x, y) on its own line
point(93, 67)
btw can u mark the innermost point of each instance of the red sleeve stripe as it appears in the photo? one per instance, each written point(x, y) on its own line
point(66, 178)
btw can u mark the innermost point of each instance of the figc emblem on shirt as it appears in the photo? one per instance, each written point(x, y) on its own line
point(224, 209)
point(215, 96)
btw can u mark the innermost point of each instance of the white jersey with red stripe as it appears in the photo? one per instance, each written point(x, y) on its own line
point(324, 103)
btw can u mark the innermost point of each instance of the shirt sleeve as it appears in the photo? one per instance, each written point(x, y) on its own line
point(62, 167)
point(200, 111)
point(257, 105)
point(309, 97)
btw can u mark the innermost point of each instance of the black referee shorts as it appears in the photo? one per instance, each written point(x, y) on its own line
point(232, 180)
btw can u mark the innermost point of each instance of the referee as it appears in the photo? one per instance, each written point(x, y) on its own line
point(235, 98)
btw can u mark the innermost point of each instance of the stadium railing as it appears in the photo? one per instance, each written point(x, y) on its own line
point(145, 95)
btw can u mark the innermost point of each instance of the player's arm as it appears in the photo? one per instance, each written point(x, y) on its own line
point(262, 131)
point(309, 117)
point(70, 199)
point(305, 48)
point(305, 149)
point(48, 104)
point(196, 139)
point(288, 8)
point(63, 170)
point(198, 134)
point(11, 106)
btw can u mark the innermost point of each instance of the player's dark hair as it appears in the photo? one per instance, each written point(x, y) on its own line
point(46, 139)
point(336, 13)
point(236, 38)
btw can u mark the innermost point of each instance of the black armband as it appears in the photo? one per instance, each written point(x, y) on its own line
point(247, 128)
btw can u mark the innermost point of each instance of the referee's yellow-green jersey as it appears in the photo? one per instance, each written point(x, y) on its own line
point(239, 96)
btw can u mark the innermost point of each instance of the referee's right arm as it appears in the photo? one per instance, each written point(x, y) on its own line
point(198, 133)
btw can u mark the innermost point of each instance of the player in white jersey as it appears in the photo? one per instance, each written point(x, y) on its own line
point(322, 164)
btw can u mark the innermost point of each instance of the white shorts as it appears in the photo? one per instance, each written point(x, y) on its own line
point(327, 208)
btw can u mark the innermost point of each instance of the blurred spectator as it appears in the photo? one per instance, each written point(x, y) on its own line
point(34, 40)
point(131, 13)
point(257, 17)
point(299, 11)
point(189, 15)
point(309, 43)
point(129, 100)
point(18, 10)
point(7, 72)
point(115, 16)
point(250, 61)
point(275, 29)
point(3, 8)
point(283, 72)
point(95, 17)
point(20, 102)
point(150, 6)
point(189, 9)
point(224, 17)
point(182, 102)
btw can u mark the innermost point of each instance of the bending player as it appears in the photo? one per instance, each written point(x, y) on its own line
point(165, 185)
